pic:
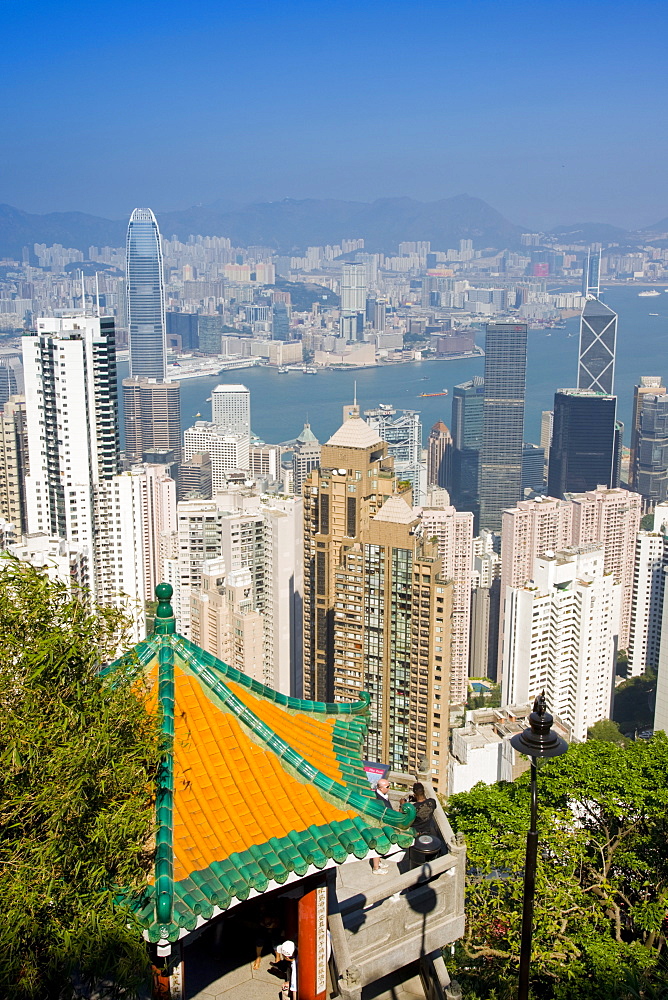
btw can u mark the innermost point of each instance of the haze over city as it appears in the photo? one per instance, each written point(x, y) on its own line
point(550, 112)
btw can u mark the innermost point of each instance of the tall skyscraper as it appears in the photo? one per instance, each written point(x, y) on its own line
point(650, 466)
point(152, 412)
point(376, 607)
point(230, 408)
point(591, 274)
point(402, 430)
point(353, 300)
point(467, 415)
point(649, 385)
point(583, 454)
point(145, 297)
point(561, 637)
point(598, 337)
point(651, 562)
point(503, 421)
point(228, 452)
point(439, 456)
point(72, 421)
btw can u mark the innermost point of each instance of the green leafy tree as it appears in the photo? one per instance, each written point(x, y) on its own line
point(606, 730)
point(602, 878)
point(78, 756)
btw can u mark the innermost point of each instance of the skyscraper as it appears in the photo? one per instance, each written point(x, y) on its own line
point(467, 414)
point(402, 430)
point(353, 300)
point(650, 471)
point(14, 463)
point(584, 442)
point(649, 385)
point(439, 456)
point(145, 297)
point(305, 457)
point(230, 408)
point(598, 337)
point(651, 561)
point(72, 421)
point(591, 274)
point(152, 412)
point(503, 421)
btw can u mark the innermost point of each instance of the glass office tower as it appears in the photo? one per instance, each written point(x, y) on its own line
point(145, 296)
point(466, 427)
point(500, 483)
point(598, 336)
point(585, 442)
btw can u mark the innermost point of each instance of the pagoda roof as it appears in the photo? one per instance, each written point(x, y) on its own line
point(355, 433)
point(255, 787)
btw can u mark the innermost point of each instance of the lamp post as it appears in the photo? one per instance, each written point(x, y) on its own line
point(538, 740)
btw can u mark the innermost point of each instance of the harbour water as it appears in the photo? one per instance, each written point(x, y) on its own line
point(280, 403)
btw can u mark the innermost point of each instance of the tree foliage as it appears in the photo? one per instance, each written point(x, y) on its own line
point(78, 756)
point(606, 730)
point(602, 879)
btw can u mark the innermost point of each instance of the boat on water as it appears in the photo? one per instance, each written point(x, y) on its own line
point(648, 294)
point(282, 370)
point(425, 395)
point(654, 314)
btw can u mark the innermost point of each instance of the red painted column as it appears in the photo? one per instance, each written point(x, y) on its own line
point(312, 945)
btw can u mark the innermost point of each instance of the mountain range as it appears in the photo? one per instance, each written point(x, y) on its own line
point(291, 225)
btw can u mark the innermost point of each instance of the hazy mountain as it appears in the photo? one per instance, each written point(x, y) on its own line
point(659, 227)
point(71, 229)
point(591, 232)
point(287, 225)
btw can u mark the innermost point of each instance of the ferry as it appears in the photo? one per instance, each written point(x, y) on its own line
point(648, 294)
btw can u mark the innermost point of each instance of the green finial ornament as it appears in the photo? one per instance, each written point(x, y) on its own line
point(164, 615)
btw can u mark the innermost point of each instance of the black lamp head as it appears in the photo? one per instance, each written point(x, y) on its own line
point(539, 739)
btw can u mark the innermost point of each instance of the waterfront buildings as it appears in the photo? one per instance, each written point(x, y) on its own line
point(585, 442)
point(230, 409)
point(561, 637)
point(439, 456)
point(500, 483)
point(598, 336)
point(145, 296)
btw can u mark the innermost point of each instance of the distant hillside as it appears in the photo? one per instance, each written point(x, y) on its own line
point(658, 227)
point(591, 232)
point(71, 229)
point(287, 225)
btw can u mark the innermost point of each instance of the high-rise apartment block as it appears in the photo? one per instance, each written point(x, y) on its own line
point(500, 484)
point(611, 517)
point(651, 561)
point(598, 337)
point(485, 603)
point(439, 456)
point(225, 621)
point(353, 300)
point(377, 609)
point(14, 463)
point(230, 409)
point(561, 637)
point(152, 413)
point(585, 442)
point(72, 424)
point(453, 531)
point(145, 297)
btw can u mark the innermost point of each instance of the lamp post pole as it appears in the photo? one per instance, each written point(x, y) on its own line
point(538, 740)
point(529, 890)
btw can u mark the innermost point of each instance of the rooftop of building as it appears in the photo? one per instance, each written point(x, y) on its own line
point(396, 511)
point(256, 788)
point(231, 387)
point(354, 433)
point(594, 307)
point(307, 436)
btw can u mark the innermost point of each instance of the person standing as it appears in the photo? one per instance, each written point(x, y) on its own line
point(379, 865)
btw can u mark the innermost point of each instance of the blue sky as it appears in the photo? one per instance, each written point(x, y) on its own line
point(554, 112)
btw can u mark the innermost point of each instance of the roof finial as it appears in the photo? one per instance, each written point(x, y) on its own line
point(164, 615)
